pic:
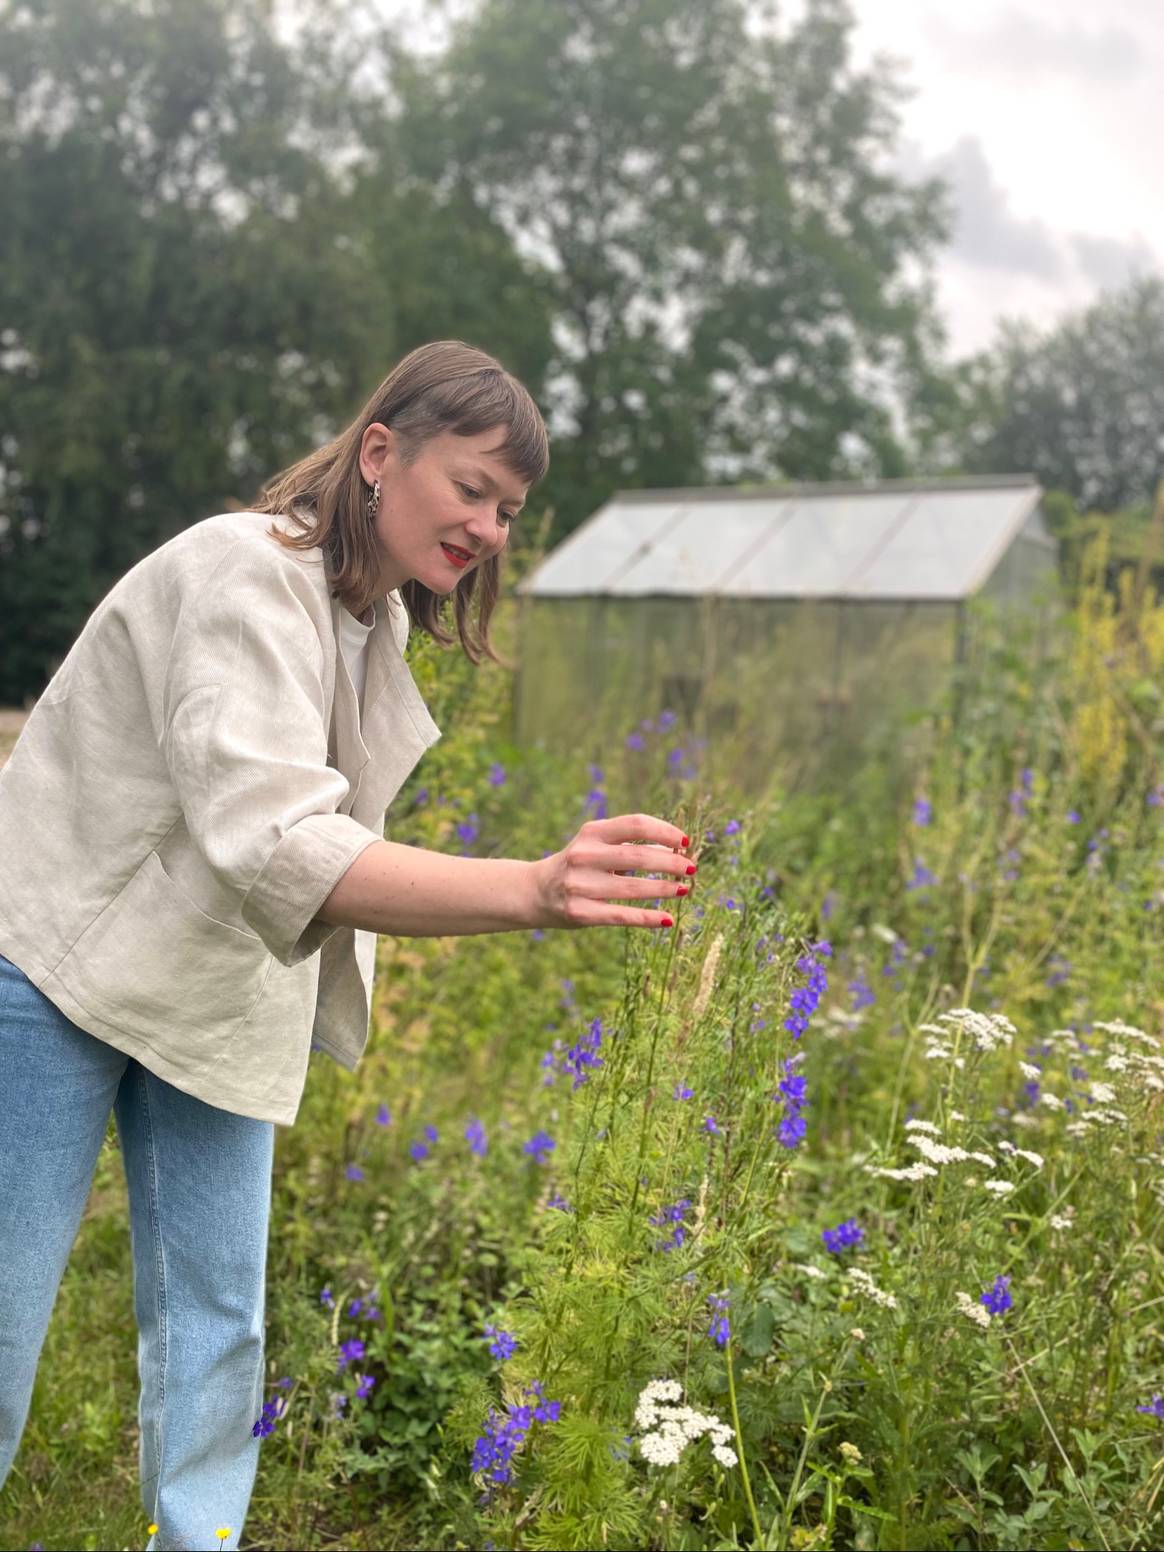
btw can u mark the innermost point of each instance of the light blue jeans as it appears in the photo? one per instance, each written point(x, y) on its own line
point(199, 1182)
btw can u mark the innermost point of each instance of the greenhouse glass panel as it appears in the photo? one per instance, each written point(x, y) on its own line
point(812, 553)
point(947, 544)
point(598, 552)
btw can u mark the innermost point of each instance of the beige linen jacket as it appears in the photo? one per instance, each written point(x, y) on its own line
point(186, 793)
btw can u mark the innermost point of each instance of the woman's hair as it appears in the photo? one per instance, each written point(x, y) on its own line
point(442, 386)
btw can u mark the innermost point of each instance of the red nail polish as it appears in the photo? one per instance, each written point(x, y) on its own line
point(690, 868)
point(682, 889)
point(667, 922)
point(686, 842)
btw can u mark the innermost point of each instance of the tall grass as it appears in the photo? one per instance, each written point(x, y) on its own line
point(975, 967)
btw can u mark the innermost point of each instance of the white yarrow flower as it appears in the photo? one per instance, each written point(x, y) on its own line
point(976, 1312)
point(923, 1126)
point(869, 1288)
point(1029, 1070)
point(999, 1187)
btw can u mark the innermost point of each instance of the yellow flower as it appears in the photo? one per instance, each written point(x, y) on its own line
point(152, 1530)
point(223, 1531)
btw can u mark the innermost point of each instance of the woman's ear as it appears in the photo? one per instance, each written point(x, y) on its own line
point(375, 445)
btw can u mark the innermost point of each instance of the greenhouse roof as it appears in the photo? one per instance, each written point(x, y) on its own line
point(895, 539)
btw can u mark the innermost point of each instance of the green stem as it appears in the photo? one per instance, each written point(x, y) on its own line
point(759, 1534)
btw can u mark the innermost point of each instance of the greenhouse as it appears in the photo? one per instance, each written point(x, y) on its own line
point(786, 624)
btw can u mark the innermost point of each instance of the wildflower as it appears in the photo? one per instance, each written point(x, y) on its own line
point(350, 1351)
point(540, 1146)
point(793, 1088)
point(719, 1330)
point(365, 1385)
point(475, 1137)
point(272, 1411)
point(973, 1311)
point(711, 1125)
point(1060, 1221)
point(674, 1427)
point(383, 1116)
point(635, 741)
point(326, 1299)
point(997, 1299)
point(1155, 1407)
point(681, 1091)
point(418, 1150)
point(863, 995)
point(560, 1202)
point(922, 877)
point(502, 1343)
point(917, 1171)
point(497, 774)
point(673, 1214)
point(805, 999)
point(999, 1187)
point(468, 830)
point(582, 1058)
point(354, 1172)
point(915, 1125)
point(850, 1452)
point(843, 1237)
point(922, 811)
point(865, 1284)
point(809, 1270)
point(494, 1450)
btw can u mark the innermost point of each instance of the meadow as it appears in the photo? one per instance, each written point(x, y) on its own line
point(829, 1218)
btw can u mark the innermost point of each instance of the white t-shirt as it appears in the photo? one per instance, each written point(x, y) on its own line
point(354, 646)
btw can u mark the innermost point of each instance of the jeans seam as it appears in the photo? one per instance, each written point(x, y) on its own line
point(160, 1270)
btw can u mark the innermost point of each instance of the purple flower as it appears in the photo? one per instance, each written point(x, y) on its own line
point(719, 1330)
point(732, 827)
point(792, 1089)
point(418, 1150)
point(1073, 817)
point(681, 1091)
point(504, 1434)
point(354, 1172)
point(922, 811)
point(1154, 1408)
point(862, 993)
point(805, 999)
point(922, 877)
point(502, 1343)
point(635, 741)
point(581, 1059)
point(475, 1137)
point(540, 1146)
point(272, 1411)
point(497, 774)
point(557, 1200)
point(326, 1299)
point(710, 1125)
point(672, 1214)
point(350, 1350)
point(997, 1299)
point(365, 1385)
point(468, 830)
point(843, 1237)
point(383, 1116)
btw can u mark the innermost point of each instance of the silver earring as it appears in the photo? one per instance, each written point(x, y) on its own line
point(374, 500)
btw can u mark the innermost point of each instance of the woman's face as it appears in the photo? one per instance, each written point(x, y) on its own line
point(457, 493)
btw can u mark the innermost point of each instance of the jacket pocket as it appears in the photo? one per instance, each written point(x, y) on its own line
point(153, 963)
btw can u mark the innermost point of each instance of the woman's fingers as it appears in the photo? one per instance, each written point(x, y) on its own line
point(635, 827)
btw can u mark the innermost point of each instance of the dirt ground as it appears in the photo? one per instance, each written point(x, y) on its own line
point(11, 722)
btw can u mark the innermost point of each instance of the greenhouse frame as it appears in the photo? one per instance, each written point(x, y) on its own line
point(788, 623)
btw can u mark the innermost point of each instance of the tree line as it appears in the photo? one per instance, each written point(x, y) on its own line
point(224, 220)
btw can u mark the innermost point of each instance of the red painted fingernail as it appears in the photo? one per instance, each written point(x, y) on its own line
point(686, 842)
point(667, 922)
point(682, 889)
point(690, 868)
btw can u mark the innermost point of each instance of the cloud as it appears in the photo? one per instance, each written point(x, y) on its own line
point(1111, 263)
point(1021, 44)
point(986, 232)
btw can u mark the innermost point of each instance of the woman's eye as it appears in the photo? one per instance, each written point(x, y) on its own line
point(469, 491)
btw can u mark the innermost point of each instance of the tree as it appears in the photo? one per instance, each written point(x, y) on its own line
point(191, 296)
point(728, 257)
point(1081, 406)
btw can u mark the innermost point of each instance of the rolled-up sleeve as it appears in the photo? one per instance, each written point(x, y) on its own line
point(244, 736)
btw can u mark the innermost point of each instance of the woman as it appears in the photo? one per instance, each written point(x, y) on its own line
point(193, 873)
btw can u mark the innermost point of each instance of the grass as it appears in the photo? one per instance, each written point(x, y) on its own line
point(867, 1408)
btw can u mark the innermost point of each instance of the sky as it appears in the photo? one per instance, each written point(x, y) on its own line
point(1044, 118)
